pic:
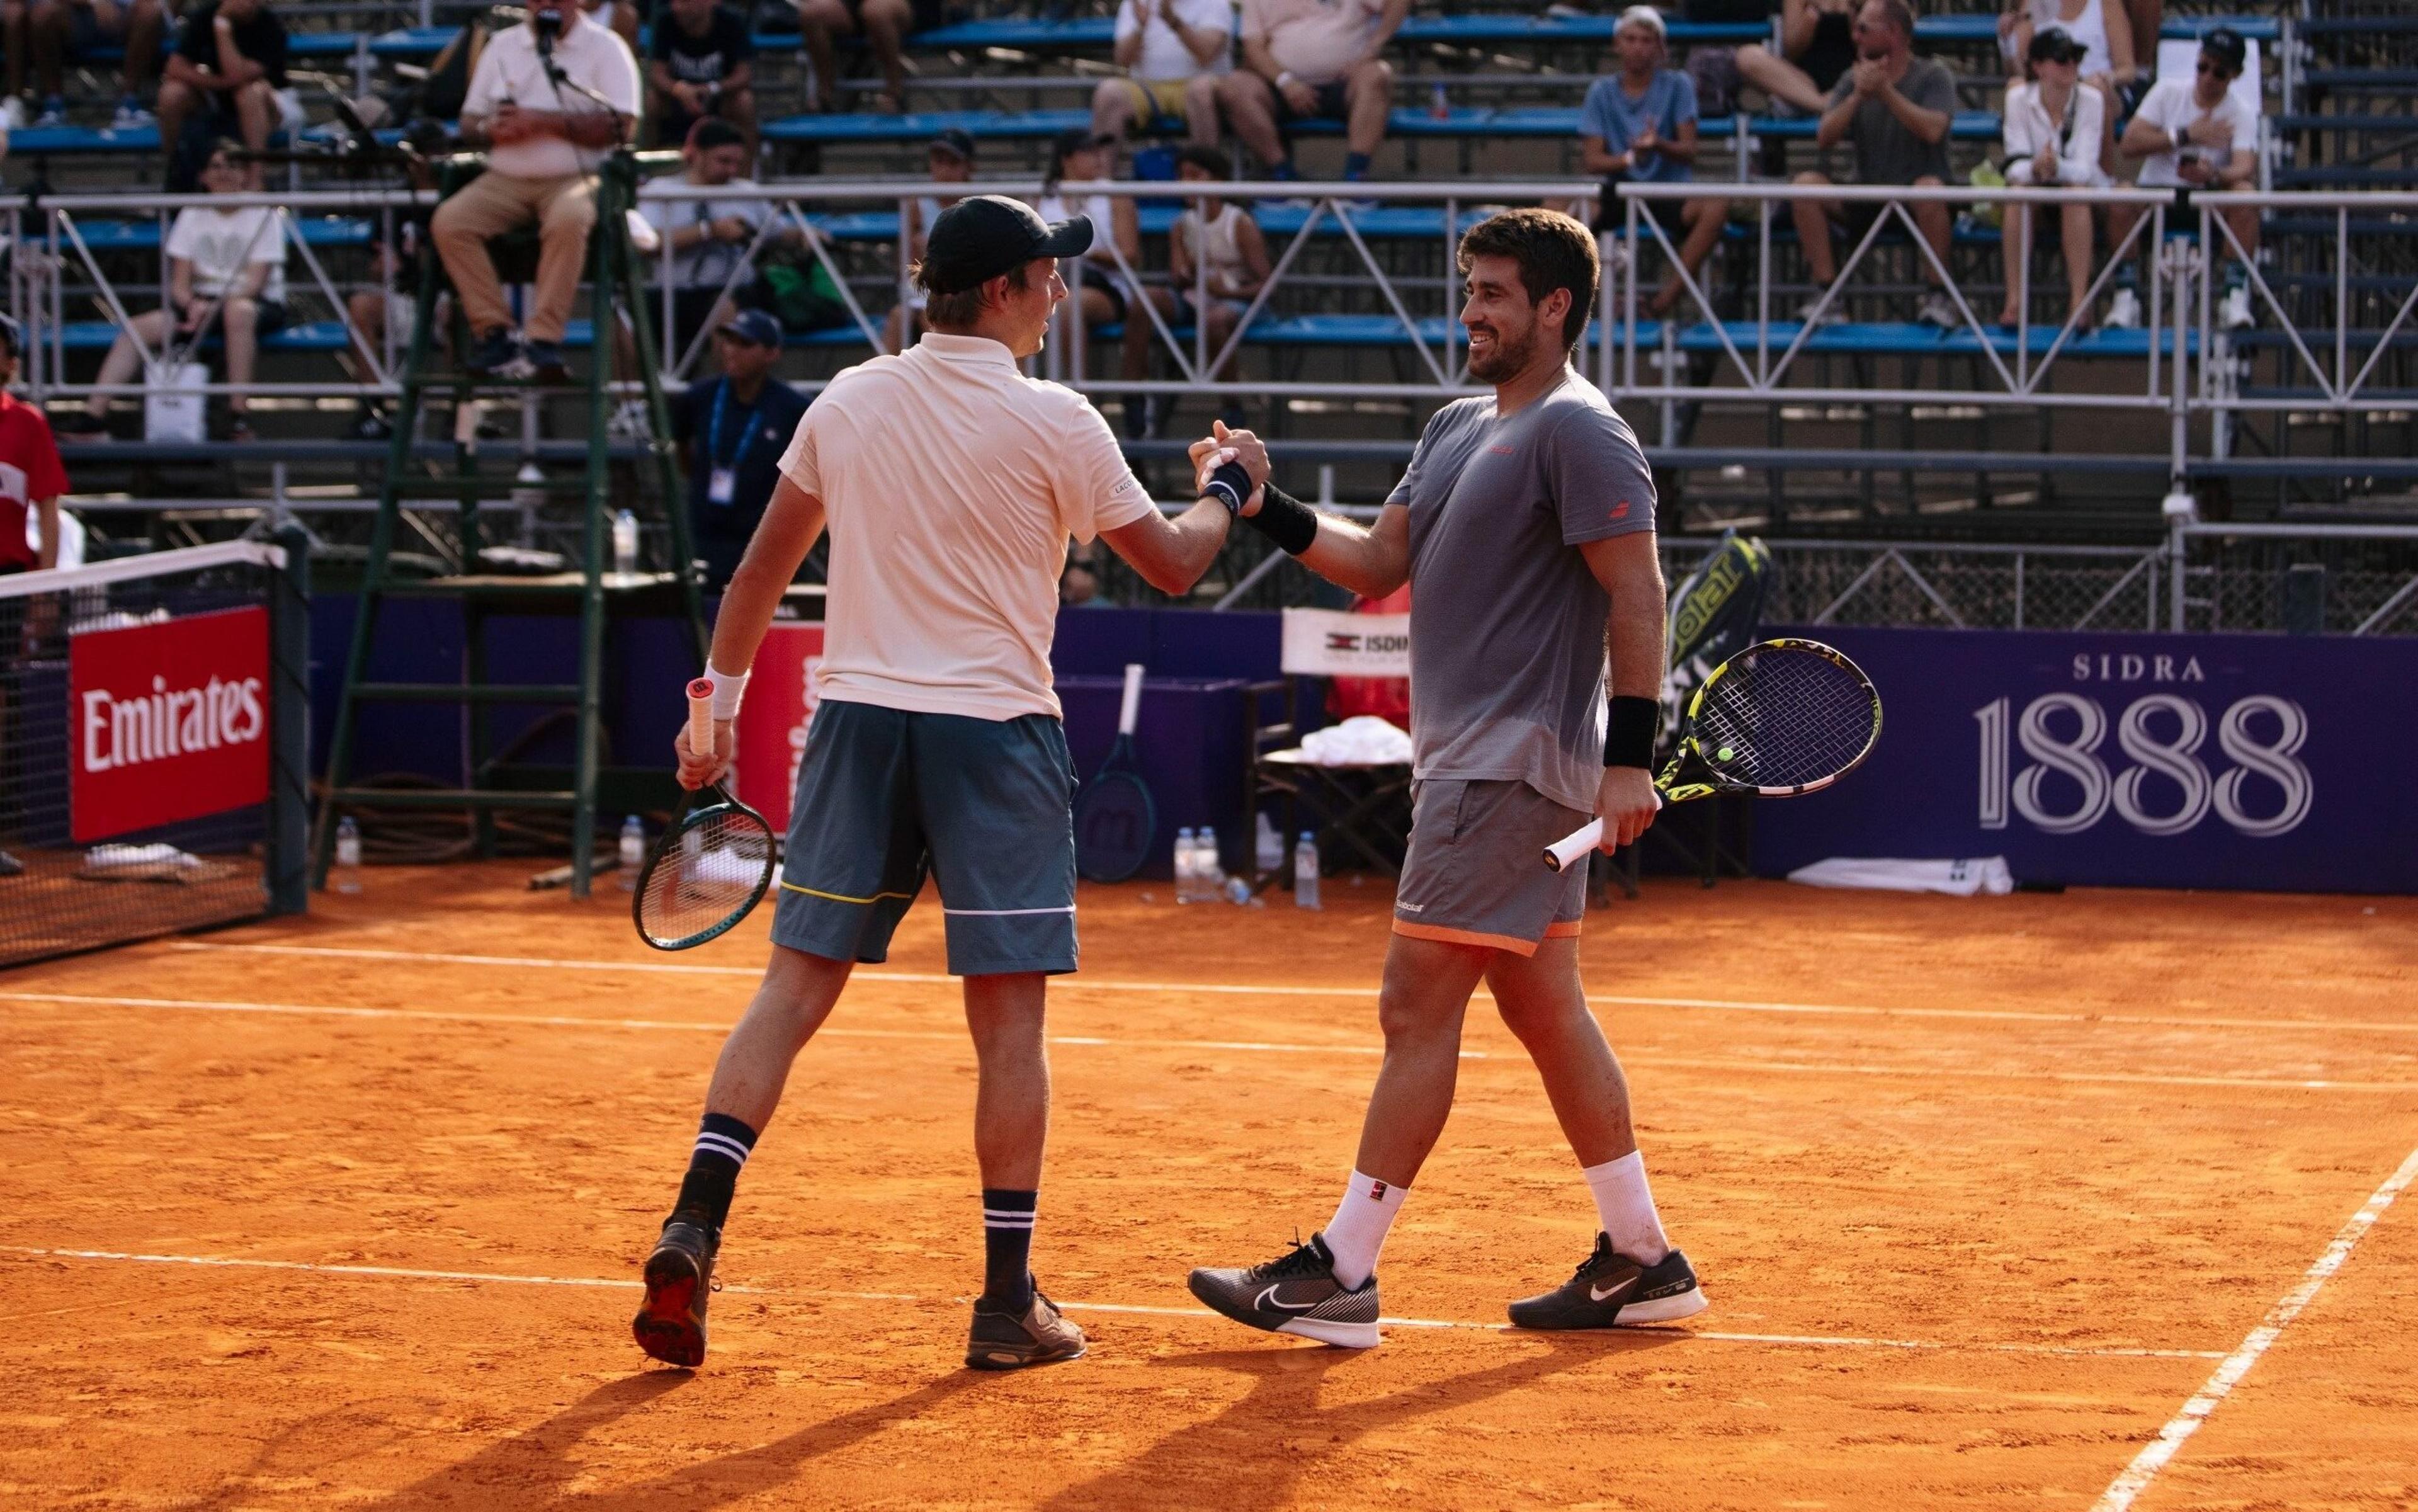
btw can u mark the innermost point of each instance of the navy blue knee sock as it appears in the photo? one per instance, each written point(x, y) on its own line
point(1008, 1250)
point(722, 1145)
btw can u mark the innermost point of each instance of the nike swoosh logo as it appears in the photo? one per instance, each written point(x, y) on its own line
point(1269, 1299)
point(1607, 1293)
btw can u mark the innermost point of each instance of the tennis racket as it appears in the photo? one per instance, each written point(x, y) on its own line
point(710, 869)
point(1115, 818)
point(1780, 718)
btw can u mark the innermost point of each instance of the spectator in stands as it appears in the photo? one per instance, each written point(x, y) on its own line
point(2195, 133)
point(50, 31)
point(1081, 155)
point(2102, 29)
point(1174, 52)
point(2052, 130)
point(227, 76)
point(1895, 109)
point(226, 267)
point(393, 304)
point(1639, 126)
point(1213, 243)
point(31, 481)
point(702, 65)
point(546, 141)
point(950, 160)
point(619, 17)
point(1817, 47)
point(886, 24)
point(1309, 60)
point(731, 431)
point(708, 240)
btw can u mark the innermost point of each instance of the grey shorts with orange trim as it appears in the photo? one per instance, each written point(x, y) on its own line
point(984, 806)
point(1473, 876)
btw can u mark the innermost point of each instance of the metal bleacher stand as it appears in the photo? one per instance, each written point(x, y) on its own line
point(589, 590)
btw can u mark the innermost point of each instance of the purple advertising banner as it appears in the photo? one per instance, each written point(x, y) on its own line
point(2146, 760)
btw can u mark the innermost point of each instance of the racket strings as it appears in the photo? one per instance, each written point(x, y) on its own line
point(713, 869)
point(1784, 719)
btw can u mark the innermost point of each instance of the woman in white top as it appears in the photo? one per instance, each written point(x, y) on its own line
point(2104, 31)
point(1107, 295)
point(2053, 132)
point(227, 266)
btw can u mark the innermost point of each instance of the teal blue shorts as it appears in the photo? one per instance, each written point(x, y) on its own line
point(984, 806)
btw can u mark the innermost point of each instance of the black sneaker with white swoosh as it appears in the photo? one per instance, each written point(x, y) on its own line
point(1295, 1293)
point(1611, 1290)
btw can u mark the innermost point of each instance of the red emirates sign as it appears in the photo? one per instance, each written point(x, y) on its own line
point(169, 720)
point(782, 694)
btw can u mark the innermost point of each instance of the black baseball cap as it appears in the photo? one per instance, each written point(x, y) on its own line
point(2226, 45)
point(956, 142)
point(756, 327)
point(986, 235)
point(2054, 44)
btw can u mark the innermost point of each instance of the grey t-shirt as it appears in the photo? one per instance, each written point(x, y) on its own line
point(1507, 621)
point(1885, 151)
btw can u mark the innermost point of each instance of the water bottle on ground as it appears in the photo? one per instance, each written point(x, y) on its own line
point(1187, 867)
point(348, 855)
point(1211, 870)
point(1305, 872)
point(626, 542)
point(634, 852)
point(1268, 844)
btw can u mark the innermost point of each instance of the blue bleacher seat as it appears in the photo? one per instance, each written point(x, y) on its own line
point(322, 44)
point(144, 235)
point(37, 141)
point(305, 336)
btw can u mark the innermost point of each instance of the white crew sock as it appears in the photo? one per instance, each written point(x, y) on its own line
point(1357, 1231)
point(1626, 1205)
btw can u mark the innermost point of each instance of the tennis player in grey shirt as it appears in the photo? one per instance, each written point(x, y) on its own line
point(1525, 528)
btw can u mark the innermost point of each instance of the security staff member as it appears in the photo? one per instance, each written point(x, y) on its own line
point(732, 430)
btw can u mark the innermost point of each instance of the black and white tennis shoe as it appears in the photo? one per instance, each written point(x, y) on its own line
point(1611, 1290)
point(1295, 1293)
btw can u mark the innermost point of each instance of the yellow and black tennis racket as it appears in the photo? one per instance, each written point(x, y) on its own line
point(1780, 718)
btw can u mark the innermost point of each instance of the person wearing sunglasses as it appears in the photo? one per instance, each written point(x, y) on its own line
point(2196, 133)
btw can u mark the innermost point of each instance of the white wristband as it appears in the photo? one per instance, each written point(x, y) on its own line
point(728, 688)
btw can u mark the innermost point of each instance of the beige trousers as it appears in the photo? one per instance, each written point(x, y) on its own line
point(493, 203)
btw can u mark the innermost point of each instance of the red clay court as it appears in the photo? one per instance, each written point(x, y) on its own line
point(348, 1212)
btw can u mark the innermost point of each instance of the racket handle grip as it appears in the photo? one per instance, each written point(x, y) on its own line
point(700, 716)
point(1563, 853)
point(1132, 705)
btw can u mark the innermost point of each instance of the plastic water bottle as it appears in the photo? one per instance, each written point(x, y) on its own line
point(348, 855)
point(626, 542)
point(1187, 867)
point(1268, 844)
point(1209, 869)
point(634, 852)
point(1238, 891)
point(1305, 872)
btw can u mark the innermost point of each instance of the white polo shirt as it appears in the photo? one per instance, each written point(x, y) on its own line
point(509, 71)
point(951, 483)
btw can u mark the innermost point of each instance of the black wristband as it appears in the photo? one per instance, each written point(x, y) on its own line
point(1285, 520)
point(1628, 734)
point(1229, 485)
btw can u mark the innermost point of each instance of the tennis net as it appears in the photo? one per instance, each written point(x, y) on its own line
point(153, 746)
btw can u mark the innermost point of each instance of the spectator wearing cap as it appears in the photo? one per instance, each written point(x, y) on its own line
point(701, 64)
point(1311, 60)
point(2196, 133)
point(2054, 127)
point(950, 160)
point(886, 26)
point(1174, 52)
point(731, 431)
point(1639, 126)
point(1895, 109)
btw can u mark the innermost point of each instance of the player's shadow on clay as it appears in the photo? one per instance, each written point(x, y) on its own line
point(535, 1470)
point(1256, 1452)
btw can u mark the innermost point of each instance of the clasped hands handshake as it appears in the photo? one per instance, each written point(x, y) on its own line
point(1222, 446)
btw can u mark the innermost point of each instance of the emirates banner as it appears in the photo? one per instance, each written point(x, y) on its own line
point(169, 720)
point(782, 694)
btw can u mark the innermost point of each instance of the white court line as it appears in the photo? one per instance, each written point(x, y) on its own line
point(1646, 1058)
point(1254, 1047)
point(409, 1274)
point(2155, 1454)
point(1082, 984)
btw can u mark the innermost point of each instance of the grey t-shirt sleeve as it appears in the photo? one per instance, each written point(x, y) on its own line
point(1408, 488)
point(1599, 477)
point(1932, 88)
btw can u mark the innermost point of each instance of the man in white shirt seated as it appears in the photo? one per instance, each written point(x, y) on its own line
point(550, 104)
point(2195, 133)
point(1174, 52)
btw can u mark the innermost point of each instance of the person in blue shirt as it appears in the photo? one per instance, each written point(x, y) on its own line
point(732, 432)
point(1639, 126)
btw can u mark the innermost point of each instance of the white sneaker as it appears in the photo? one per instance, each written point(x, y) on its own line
point(2233, 311)
point(12, 114)
point(629, 422)
point(2123, 312)
point(1939, 310)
